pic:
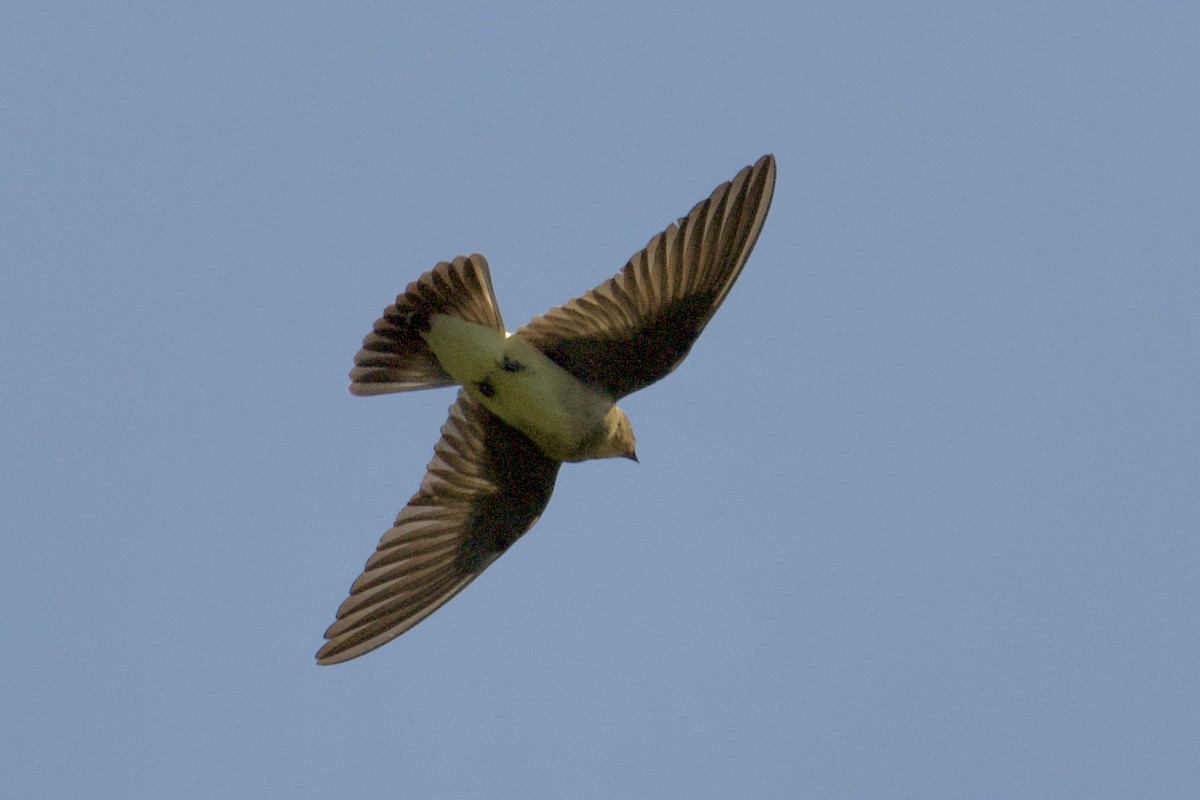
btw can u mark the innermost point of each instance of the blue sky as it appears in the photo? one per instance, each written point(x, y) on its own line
point(918, 516)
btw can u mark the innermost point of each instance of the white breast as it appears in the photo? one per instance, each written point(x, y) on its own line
point(535, 395)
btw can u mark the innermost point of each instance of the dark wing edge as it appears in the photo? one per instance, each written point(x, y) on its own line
point(486, 486)
point(394, 357)
point(635, 328)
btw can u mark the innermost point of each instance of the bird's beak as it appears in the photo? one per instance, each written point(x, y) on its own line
point(632, 456)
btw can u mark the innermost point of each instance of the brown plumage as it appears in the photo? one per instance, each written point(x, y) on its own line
point(530, 400)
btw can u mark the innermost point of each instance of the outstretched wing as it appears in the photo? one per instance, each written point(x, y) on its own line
point(486, 486)
point(635, 328)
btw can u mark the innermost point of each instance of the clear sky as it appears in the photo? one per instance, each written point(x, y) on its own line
point(919, 516)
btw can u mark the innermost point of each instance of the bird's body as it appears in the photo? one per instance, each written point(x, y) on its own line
point(567, 419)
point(530, 400)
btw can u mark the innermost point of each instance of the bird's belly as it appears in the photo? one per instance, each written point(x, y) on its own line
point(519, 384)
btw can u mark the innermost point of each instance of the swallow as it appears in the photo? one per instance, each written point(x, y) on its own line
point(528, 400)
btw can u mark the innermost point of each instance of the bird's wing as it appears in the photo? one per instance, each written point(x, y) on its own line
point(638, 326)
point(486, 485)
point(394, 357)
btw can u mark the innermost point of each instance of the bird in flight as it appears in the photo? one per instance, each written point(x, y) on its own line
point(529, 400)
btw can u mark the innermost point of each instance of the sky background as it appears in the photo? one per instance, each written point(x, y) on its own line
point(919, 516)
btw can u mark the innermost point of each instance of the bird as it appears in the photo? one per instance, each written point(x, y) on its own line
point(529, 400)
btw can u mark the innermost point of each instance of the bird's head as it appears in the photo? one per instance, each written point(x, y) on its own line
point(613, 438)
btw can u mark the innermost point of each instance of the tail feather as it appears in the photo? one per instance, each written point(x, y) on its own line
point(394, 357)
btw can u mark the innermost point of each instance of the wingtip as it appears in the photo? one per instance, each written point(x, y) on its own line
point(323, 658)
point(766, 164)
